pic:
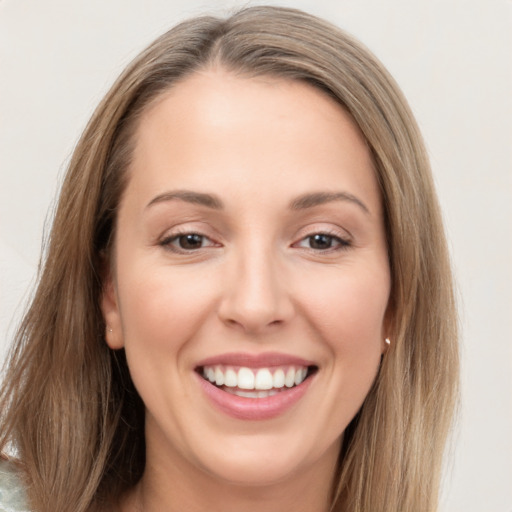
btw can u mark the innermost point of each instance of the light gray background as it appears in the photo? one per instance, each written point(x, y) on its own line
point(453, 60)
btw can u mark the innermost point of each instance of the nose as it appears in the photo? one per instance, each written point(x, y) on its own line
point(256, 296)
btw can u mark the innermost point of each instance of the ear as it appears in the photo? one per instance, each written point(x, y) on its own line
point(388, 329)
point(110, 309)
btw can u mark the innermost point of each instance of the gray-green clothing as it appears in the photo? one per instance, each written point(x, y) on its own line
point(12, 492)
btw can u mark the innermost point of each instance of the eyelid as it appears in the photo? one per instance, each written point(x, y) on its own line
point(176, 236)
point(340, 240)
point(173, 234)
point(325, 229)
point(344, 238)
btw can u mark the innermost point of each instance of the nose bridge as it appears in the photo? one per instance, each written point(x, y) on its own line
point(256, 295)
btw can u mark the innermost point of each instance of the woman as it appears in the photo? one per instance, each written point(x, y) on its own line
point(246, 301)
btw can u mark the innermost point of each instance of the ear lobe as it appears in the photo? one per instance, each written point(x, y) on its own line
point(110, 310)
point(387, 329)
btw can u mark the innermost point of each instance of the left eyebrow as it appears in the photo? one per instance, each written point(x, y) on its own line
point(189, 196)
point(319, 198)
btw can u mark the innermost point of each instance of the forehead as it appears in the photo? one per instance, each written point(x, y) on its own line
point(215, 126)
point(219, 98)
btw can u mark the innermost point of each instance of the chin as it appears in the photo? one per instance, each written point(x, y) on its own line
point(255, 471)
point(264, 461)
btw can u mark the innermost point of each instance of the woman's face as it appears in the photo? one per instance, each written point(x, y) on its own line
point(250, 251)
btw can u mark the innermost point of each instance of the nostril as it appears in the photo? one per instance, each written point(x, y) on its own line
point(253, 321)
point(255, 303)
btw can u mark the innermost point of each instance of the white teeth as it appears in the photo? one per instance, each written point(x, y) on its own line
point(278, 379)
point(245, 378)
point(262, 379)
point(246, 394)
point(252, 394)
point(264, 394)
point(230, 378)
point(300, 375)
point(289, 380)
point(219, 376)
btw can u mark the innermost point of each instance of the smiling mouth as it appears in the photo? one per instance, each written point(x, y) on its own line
point(256, 382)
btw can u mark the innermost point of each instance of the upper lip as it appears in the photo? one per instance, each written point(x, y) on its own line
point(263, 360)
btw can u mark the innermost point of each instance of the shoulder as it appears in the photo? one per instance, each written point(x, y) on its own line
point(12, 491)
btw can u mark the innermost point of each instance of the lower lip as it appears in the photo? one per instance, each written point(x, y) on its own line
point(243, 408)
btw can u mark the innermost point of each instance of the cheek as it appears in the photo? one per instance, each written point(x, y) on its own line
point(348, 307)
point(347, 312)
point(163, 308)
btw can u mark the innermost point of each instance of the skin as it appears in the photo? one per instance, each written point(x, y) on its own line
point(255, 282)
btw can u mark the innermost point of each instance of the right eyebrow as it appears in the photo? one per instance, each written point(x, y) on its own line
point(189, 196)
point(318, 198)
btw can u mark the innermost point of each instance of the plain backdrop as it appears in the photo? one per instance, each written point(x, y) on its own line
point(453, 60)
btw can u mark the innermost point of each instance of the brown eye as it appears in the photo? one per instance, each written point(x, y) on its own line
point(323, 242)
point(186, 242)
point(189, 241)
point(320, 241)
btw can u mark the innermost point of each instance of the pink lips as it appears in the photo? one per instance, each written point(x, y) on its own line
point(254, 408)
point(266, 359)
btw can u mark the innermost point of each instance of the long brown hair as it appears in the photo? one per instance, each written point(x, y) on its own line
point(68, 404)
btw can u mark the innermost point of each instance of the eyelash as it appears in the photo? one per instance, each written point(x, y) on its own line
point(175, 237)
point(342, 243)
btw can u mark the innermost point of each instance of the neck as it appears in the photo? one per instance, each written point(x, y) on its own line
point(145, 498)
point(168, 484)
point(303, 496)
